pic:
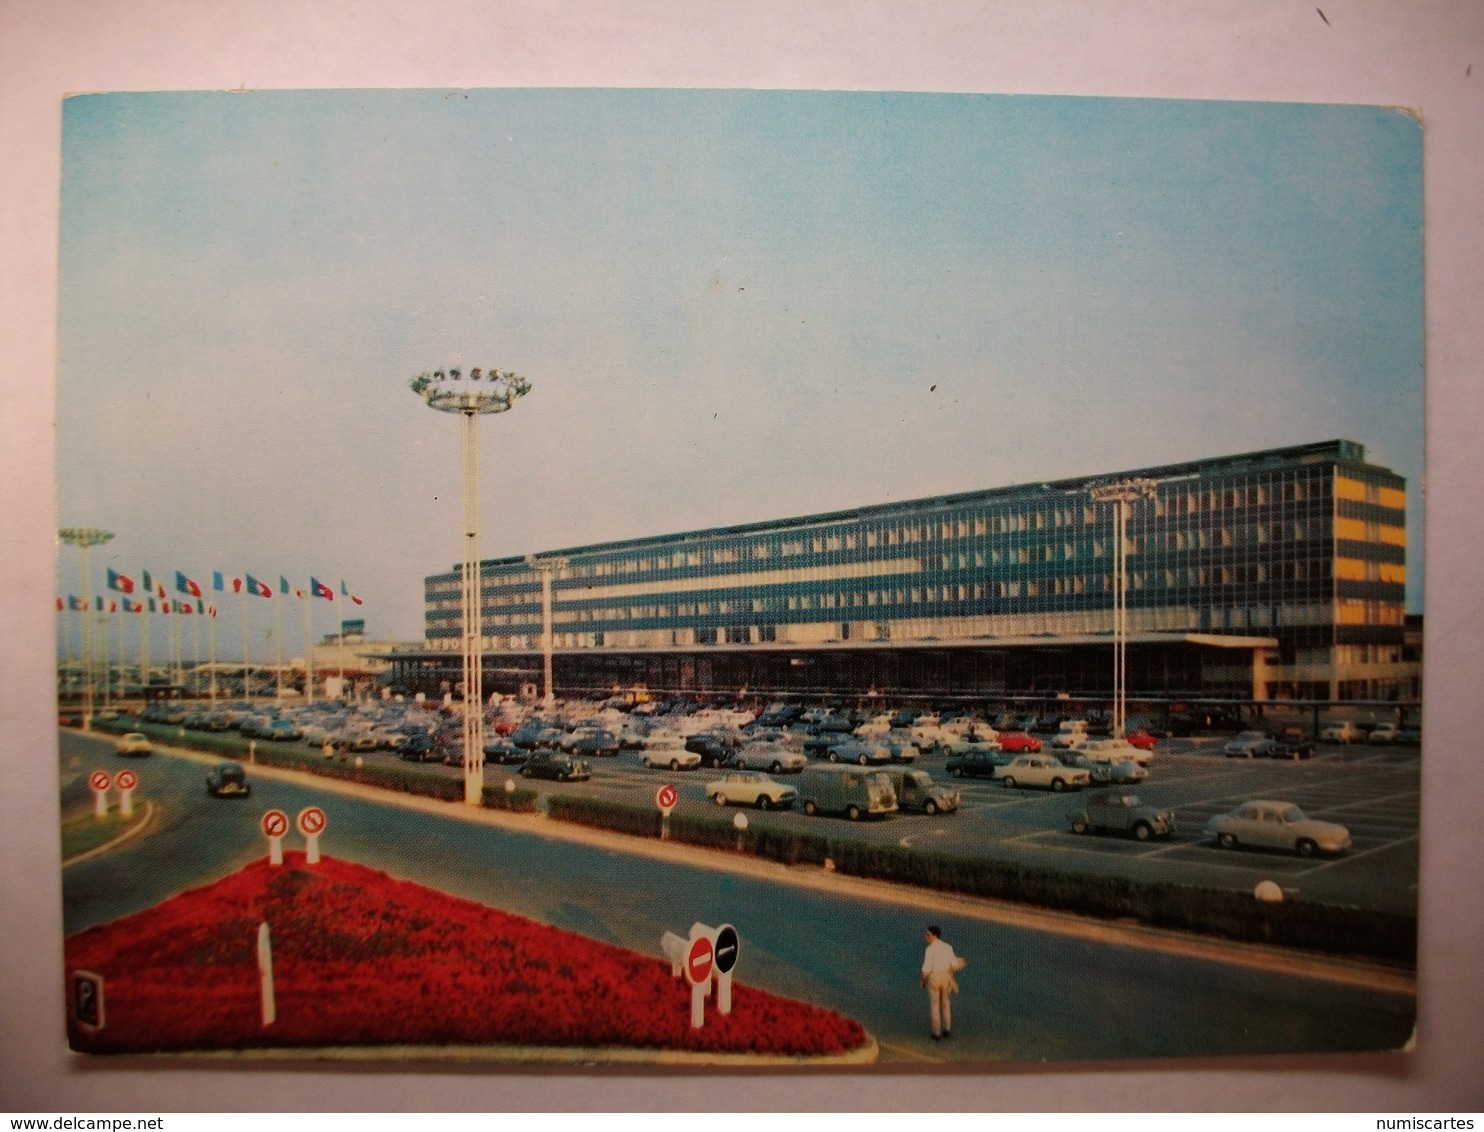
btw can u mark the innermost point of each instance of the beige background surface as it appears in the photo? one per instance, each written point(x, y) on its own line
point(1428, 55)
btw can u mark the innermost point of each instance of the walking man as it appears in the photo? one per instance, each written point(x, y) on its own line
point(938, 965)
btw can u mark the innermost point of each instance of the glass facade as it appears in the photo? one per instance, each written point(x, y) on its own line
point(1304, 548)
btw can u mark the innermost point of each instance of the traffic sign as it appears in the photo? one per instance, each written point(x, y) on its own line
point(699, 960)
point(726, 948)
point(98, 780)
point(87, 999)
point(275, 823)
point(125, 780)
point(311, 821)
point(666, 797)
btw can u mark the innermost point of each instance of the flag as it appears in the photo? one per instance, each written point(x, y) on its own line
point(60, 606)
point(185, 607)
point(299, 593)
point(357, 600)
point(151, 605)
point(186, 585)
point(113, 607)
point(217, 582)
point(120, 582)
point(98, 603)
point(236, 585)
point(164, 606)
point(283, 584)
point(319, 589)
point(261, 589)
point(72, 602)
point(149, 583)
point(160, 591)
point(343, 591)
point(211, 611)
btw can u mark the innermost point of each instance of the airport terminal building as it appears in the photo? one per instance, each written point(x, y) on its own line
point(1268, 575)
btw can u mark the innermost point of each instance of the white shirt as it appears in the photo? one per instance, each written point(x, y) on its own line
point(938, 957)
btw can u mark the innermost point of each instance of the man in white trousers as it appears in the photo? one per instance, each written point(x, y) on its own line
point(938, 966)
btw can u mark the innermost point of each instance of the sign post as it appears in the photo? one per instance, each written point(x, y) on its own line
point(124, 782)
point(87, 999)
point(665, 798)
point(275, 824)
point(99, 781)
point(699, 960)
point(726, 948)
point(311, 825)
point(265, 974)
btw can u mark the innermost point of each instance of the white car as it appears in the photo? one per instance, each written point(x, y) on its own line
point(1277, 825)
point(1071, 734)
point(1044, 771)
point(670, 754)
point(1114, 750)
point(770, 757)
point(745, 789)
point(134, 743)
point(1345, 732)
point(1384, 733)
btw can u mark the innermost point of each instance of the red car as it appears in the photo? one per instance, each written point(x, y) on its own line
point(1141, 739)
point(1018, 742)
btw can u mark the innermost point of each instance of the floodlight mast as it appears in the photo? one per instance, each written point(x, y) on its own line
point(1123, 492)
point(449, 392)
point(82, 538)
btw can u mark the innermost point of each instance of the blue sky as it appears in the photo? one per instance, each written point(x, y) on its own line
point(732, 306)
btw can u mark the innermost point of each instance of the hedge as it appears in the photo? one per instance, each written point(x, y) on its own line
point(1340, 929)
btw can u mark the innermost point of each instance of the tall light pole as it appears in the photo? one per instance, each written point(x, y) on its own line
point(546, 567)
point(82, 538)
point(1122, 493)
point(479, 395)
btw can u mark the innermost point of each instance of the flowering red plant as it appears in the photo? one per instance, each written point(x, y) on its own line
point(360, 958)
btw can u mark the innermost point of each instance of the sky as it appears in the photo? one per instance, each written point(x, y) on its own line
point(732, 306)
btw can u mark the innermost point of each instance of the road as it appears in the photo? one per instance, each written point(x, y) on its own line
point(1029, 994)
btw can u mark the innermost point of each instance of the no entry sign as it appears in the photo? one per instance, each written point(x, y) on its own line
point(726, 948)
point(666, 797)
point(699, 960)
point(98, 780)
point(275, 823)
point(126, 780)
point(311, 820)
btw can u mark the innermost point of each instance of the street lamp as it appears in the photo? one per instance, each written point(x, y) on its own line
point(480, 395)
point(82, 538)
point(1122, 493)
point(546, 567)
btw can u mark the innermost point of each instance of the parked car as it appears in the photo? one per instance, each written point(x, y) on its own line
point(1019, 743)
point(853, 791)
point(1409, 737)
point(916, 790)
point(1117, 812)
point(558, 765)
point(501, 751)
point(228, 780)
point(528, 735)
point(1116, 772)
point(743, 788)
point(419, 746)
point(1043, 771)
point(1384, 733)
point(672, 754)
point(1294, 748)
point(714, 747)
point(135, 744)
point(1070, 733)
point(1112, 750)
point(591, 741)
point(979, 762)
point(898, 748)
point(1342, 732)
point(863, 752)
point(1277, 825)
point(1251, 745)
point(1142, 739)
point(772, 757)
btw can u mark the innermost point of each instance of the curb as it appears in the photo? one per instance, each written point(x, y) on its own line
point(134, 830)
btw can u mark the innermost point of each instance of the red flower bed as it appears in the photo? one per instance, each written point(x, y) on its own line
point(360, 958)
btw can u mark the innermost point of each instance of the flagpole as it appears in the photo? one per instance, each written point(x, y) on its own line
point(196, 649)
point(246, 647)
point(308, 647)
point(278, 628)
point(107, 666)
point(175, 677)
point(211, 640)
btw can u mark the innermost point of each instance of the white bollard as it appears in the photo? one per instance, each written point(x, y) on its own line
point(265, 974)
point(311, 849)
point(275, 850)
point(126, 803)
point(673, 947)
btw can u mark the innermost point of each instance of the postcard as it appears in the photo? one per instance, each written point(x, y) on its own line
point(738, 578)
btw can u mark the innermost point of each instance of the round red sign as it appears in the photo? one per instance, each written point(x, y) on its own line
point(311, 820)
point(666, 797)
point(698, 960)
point(126, 780)
point(98, 780)
point(275, 823)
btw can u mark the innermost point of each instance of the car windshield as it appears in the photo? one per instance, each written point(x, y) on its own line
point(1293, 813)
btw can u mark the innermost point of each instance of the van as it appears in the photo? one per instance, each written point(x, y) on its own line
point(849, 790)
point(915, 790)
